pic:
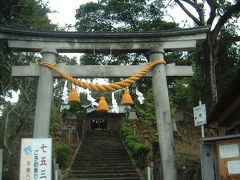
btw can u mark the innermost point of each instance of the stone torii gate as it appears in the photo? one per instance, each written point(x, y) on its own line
point(153, 43)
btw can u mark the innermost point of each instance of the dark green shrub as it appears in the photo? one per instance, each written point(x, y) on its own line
point(137, 150)
point(131, 146)
point(130, 138)
point(141, 149)
point(63, 153)
point(130, 142)
point(126, 132)
point(139, 153)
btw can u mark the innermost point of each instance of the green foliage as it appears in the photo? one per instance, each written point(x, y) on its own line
point(118, 15)
point(141, 149)
point(146, 111)
point(181, 163)
point(126, 132)
point(228, 63)
point(137, 150)
point(228, 60)
point(184, 94)
point(29, 14)
point(55, 125)
point(78, 110)
point(130, 139)
point(63, 153)
point(139, 153)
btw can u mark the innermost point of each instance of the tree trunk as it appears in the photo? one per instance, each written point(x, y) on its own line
point(211, 49)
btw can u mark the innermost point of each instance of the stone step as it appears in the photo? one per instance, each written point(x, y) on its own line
point(115, 178)
point(93, 148)
point(103, 175)
point(104, 159)
point(102, 156)
point(105, 145)
point(98, 156)
point(97, 168)
point(101, 159)
point(106, 164)
point(100, 149)
point(101, 171)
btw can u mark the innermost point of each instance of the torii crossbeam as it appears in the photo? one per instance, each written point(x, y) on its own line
point(153, 43)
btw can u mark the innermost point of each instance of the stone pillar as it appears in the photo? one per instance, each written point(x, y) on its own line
point(163, 116)
point(44, 95)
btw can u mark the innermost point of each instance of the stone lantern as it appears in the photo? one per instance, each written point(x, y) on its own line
point(134, 126)
point(57, 137)
point(146, 136)
point(69, 125)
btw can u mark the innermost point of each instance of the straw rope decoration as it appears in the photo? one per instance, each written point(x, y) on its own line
point(106, 88)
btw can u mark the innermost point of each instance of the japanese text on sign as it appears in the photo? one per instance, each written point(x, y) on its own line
point(36, 159)
point(199, 114)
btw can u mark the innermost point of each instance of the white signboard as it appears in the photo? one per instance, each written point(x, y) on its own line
point(233, 167)
point(199, 114)
point(36, 159)
point(229, 151)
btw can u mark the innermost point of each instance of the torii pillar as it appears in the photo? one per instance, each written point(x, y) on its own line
point(163, 116)
point(44, 95)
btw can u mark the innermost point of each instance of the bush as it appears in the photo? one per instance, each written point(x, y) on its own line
point(126, 132)
point(137, 150)
point(63, 153)
point(130, 138)
point(141, 149)
point(139, 153)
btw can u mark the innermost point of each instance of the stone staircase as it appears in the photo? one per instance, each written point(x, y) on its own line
point(102, 156)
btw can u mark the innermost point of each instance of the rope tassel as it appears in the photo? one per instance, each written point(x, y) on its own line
point(102, 106)
point(127, 99)
point(74, 96)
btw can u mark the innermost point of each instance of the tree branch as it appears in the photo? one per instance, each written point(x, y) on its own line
point(196, 6)
point(227, 15)
point(213, 6)
point(23, 90)
point(199, 23)
point(229, 40)
point(18, 114)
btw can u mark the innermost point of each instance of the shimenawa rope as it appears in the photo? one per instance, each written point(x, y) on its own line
point(106, 88)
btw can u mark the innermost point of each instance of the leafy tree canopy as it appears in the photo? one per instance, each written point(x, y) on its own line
point(119, 16)
point(29, 14)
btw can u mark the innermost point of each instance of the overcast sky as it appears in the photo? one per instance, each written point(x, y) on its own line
point(66, 10)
